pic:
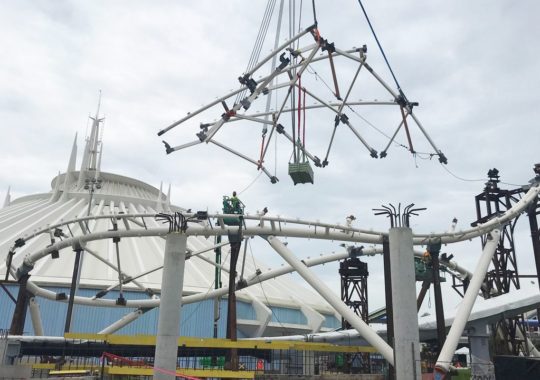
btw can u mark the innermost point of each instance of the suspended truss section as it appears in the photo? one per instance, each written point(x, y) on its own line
point(297, 80)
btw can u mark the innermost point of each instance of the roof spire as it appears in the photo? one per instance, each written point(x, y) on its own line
point(55, 196)
point(91, 157)
point(168, 201)
point(69, 177)
point(159, 200)
point(7, 200)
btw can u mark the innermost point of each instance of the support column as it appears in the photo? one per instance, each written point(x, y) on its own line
point(73, 289)
point(19, 314)
point(388, 303)
point(172, 284)
point(422, 294)
point(481, 365)
point(231, 357)
point(434, 249)
point(406, 337)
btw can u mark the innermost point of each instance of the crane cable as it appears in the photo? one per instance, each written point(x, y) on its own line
point(382, 52)
point(261, 36)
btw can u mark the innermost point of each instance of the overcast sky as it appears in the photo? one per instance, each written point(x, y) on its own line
point(472, 66)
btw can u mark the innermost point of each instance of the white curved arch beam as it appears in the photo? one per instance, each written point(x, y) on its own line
point(279, 227)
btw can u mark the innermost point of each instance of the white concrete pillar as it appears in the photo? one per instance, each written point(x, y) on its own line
point(172, 284)
point(406, 337)
point(481, 364)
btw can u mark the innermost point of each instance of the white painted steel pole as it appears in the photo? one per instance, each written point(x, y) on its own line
point(447, 352)
point(325, 292)
point(124, 321)
point(405, 315)
point(172, 284)
point(35, 314)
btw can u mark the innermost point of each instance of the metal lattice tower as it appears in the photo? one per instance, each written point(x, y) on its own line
point(494, 201)
point(354, 274)
point(533, 213)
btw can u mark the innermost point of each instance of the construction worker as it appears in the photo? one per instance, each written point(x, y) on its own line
point(426, 257)
point(235, 203)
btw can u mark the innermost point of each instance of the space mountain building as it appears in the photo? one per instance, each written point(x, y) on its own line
point(116, 281)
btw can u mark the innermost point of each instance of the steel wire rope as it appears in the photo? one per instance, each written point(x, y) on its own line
point(259, 41)
point(251, 183)
point(292, 27)
point(474, 180)
point(262, 288)
point(381, 49)
point(275, 139)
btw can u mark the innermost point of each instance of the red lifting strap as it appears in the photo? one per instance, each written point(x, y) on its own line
point(304, 120)
point(262, 151)
point(406, 129)
point(299, 108)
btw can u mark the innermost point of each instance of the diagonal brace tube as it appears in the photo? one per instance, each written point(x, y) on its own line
point(355, 321)
point(259, 165)
point(372, 151)
point(447, 352)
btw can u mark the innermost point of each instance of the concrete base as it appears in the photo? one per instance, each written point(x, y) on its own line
point(329, 376)
point(15, 372)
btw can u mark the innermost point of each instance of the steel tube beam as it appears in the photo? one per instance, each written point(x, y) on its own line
point(73, 289)
point(439, 307)
point(254, 279)
point(422, 294)
point(259, 165)
point(124, 321)
point(279, 48)
point(172, 284)
point(354, 320)
point(320, 230)
point(443, 362)
point(19, 314)
point(35, 314)
point(425, 134)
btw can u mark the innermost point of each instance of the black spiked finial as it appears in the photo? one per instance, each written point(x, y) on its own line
point(493, 175)
point(168, 148)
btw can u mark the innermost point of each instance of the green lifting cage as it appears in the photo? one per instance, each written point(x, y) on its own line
point(301, 172)
point(424, 271)
point(232, 207)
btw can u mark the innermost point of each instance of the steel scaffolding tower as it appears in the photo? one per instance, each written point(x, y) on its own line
point(503, 276)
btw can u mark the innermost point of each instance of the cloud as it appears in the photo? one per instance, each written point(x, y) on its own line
point(471, 66)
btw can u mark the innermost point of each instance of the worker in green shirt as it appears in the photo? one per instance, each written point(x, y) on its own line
point(236, 203)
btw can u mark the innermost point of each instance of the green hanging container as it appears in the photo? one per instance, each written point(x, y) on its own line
point(301, 172)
